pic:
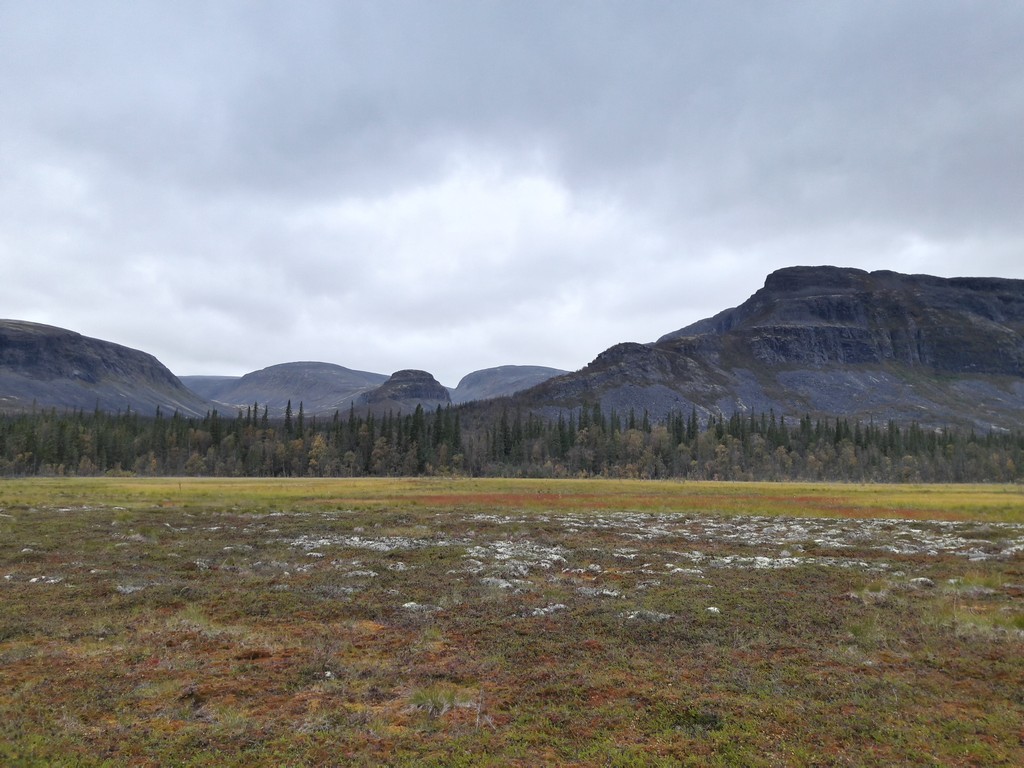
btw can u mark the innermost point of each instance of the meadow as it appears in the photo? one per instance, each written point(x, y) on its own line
point(450, 622)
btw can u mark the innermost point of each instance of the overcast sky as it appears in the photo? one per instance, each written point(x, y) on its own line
point(458, 185)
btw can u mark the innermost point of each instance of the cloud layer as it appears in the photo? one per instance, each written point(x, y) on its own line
point(457, 185)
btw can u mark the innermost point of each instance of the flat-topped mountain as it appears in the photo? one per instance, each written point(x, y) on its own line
point(829, 341)
point(829, 315)
point(45, 367)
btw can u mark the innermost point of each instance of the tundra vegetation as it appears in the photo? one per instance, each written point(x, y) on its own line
point(437, 621)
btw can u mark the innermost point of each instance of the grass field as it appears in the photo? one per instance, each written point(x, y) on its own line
point(509, 622)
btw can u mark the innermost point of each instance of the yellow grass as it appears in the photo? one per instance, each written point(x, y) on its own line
point(992, 503)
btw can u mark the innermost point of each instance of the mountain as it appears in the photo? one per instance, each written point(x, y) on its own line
point(828, 341)
point(323, 388)
point(46, 367)
point(822, 341)
point(501, 381)
point(320, 387)
point(403, 391)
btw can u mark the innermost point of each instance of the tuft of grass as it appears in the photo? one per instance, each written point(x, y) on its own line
point(437, 700)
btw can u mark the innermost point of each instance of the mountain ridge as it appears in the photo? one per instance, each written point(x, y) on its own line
point(827, 341)
point(913, 319)
point(321, 387)
point(830, 341)
point(43, 366)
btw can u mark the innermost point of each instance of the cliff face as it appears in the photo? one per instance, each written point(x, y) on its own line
point(827, 315)
point(53, 367)
point(831, 341)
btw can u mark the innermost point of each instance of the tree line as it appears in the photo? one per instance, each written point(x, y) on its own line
point(502, 441)
point(752, 446)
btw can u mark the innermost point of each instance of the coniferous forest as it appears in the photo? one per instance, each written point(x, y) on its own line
point(580, 443)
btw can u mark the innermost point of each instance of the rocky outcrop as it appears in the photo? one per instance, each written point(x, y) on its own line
point(404, 391)
point(42, 366)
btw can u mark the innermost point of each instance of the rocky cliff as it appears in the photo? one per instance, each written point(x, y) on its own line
point(828, 315)
point(830, 341)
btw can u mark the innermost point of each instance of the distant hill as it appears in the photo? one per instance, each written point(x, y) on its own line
point(320, 387)
point(403, 391)
point(501, 381)
point(46, 367)
point(827, 341)
point(323, 388)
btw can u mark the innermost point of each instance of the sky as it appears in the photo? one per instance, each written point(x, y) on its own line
point(455, 185)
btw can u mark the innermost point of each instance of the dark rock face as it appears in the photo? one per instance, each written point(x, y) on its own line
point(827, 315)
point(53, 367)
point(833, 342)
point(405, 390)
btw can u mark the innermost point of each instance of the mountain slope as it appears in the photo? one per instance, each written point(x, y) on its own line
point(829, 341)
point(501, 381)
point(320, 387)
point(52, 367)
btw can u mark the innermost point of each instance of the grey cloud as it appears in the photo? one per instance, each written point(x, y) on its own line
point(403, 182)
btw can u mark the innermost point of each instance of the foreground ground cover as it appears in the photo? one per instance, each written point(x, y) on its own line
point(449, 622)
